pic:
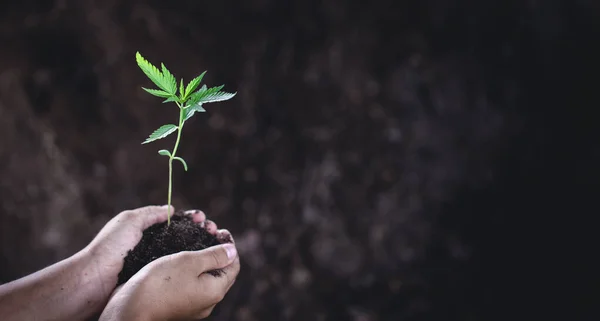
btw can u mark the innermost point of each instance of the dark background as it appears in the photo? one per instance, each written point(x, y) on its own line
point(383, 160)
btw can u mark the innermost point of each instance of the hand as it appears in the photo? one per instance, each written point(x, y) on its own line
point(176, 287)
point(79, 286)
point(121, 234)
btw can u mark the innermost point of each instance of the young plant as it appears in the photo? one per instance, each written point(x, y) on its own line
point(188, 100)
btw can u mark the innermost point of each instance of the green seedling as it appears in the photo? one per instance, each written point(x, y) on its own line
point(189, 100)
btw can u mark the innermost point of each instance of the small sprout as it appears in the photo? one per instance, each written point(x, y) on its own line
point(188, 100)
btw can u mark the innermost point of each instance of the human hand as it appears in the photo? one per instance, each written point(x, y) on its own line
point(122, 233)
point(176, 287)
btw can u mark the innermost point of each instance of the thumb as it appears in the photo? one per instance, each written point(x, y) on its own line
point(217, 257)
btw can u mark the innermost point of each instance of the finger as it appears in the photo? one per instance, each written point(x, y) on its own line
point(197, 215)
point(149, 215)
point(211, 227)
point(216, 257)
point(217, 287)
point(224, 236)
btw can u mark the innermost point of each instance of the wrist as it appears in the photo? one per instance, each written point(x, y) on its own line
point(95, 276)
point(87, 287)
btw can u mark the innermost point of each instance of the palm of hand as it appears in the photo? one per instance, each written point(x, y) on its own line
point(114, 242)
point(110, 246)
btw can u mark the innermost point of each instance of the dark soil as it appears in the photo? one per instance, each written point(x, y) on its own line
point(159, 240)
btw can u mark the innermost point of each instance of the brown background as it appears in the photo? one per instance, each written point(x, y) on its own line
point(383, 160)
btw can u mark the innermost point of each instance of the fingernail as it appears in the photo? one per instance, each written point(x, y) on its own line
point(225, 236)
point(231, 251)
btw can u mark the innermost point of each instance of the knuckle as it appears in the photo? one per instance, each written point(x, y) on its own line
point(174, 260)
point(130, 214)
point(146, 210)
point(127, 215)
point(162, 262)
point(184, 258)
point(206, 313)
point(214, 292)
point(218, 296)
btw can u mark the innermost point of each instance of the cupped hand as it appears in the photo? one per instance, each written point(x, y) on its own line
point(122, 233)
point(176, 287)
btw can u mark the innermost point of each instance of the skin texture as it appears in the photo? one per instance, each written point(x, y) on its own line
point(81, 285)
point(176, 287)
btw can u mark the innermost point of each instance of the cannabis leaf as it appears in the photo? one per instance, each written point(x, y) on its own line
point(169, 80)
point(193, 85)
point(162, 132)
point(164, 82)
point(211, 95)
point(188, 101)
point(158, 93)
point(189, 111)
point(217, 96)
point(171, 99)
point(202, 92)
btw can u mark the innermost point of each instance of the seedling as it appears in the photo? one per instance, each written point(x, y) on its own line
point(189, 102)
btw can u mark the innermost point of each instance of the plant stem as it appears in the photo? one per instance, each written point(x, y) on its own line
point(179, 129)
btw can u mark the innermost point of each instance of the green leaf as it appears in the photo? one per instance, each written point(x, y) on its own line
point(193, 85)
point(171, 99)
point(157, 93)
point(212, 90)
point(190, 110)
point(162, 132)
point(215, 97)
point(182, 162)
point(169, 79)
point(153, 73)
point(181, 90)
point(164, 152)
point(195, 97)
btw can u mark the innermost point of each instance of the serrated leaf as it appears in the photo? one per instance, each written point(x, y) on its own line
point(157, 93)
point(169, 80)
point(212, 90)
point(193, 85)
point(181, 90)
point(202, 92)
point(152, 73)
point(215, 97)
point(162, 132)
point(189, 111)
point(164, 152)
point(185, 167)
point(171, 99)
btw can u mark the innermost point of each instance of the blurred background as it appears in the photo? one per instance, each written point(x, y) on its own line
point(383, 159)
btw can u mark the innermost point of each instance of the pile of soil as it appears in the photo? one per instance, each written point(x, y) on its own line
point(161, 239)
